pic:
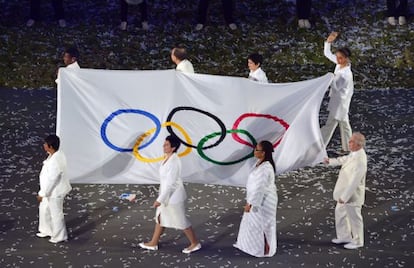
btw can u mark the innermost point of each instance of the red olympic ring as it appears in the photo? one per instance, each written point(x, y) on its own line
point(236, 137)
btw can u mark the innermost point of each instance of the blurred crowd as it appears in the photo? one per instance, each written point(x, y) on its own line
point(396, 13)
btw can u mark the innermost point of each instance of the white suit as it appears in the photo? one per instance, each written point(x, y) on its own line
point(172, 195)
point(258, 75)
point(260, 221)
point(340, 95)
point(185, 66)
point(350, 188)
point(54, 186)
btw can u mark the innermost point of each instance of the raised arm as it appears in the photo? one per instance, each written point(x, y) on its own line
point(327, 47)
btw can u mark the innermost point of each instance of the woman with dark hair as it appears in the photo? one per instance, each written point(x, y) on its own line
point(254, 62)
point(171, 200)
point(340, 95)
point(257, 233)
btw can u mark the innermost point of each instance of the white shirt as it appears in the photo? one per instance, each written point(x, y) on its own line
point(258, 75)
point(74, 66)
point(185, 66)
point(342, 88)
point(53, 180)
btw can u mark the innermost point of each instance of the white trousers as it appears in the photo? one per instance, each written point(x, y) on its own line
point(349, 224)
point(51, 219)
point(329, 128)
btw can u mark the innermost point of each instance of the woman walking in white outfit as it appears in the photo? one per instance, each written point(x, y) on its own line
point(342, 89)
point(171, 200)
point(257, 233)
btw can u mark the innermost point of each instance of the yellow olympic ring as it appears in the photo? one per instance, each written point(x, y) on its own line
point(149, 132)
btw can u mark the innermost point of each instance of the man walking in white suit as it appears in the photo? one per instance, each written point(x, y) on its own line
point(349, 193)
point(54, 186)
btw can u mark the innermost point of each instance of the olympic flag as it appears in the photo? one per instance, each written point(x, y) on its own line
point(113, 124)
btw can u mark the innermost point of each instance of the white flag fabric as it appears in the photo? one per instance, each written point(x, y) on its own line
point(113, 124)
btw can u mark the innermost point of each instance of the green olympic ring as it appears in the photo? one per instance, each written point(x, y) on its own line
point(212, 135)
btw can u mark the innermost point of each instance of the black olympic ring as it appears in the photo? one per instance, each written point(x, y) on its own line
point(219, 122)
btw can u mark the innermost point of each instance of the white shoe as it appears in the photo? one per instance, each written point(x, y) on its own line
point(62, 23)
point(199, 27)
point(42, 235)
point(353, 245)
point(391, 21)
point(142, 245)
point(30, 23)
point(188, 250)
point(341, 241)
point(301, 23)
point(51, 240)
point(306, 24)
point(402, 20)
point(145, 25)
point(233, 26)
point(123, 26)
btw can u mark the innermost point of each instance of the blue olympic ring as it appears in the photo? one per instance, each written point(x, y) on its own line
point(135, 111)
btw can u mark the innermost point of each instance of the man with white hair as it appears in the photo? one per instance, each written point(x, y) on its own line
point(349, 193)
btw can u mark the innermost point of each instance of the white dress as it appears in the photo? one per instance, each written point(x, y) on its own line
point(172, 196)
point(260, 222)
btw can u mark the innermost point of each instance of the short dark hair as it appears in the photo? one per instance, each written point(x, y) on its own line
point(53, 141)
point(256, 58)
point(180, 53)
point(72, 51)
point(174, 142)
point(344, 51)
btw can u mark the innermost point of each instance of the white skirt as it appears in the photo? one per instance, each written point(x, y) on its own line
point(172, 216)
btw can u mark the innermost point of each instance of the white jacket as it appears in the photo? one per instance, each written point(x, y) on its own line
point(350, 186)
point(53, 180)
point(185, 66)
point(258, 75)
point(260, 183)
point(342, 88)
point(74, 66)
point(171, 190)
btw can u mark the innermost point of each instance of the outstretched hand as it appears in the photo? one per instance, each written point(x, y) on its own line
point(332, 37)
point(156, 204)
point(247, 207)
